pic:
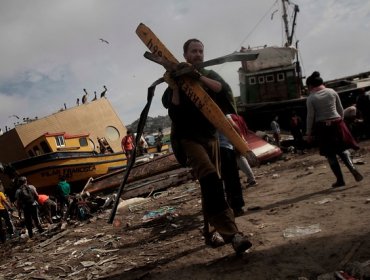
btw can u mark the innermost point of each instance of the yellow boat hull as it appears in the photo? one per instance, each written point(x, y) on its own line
point(44, 172)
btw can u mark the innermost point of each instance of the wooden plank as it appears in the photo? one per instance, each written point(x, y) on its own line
point(53, 239)
point(196, 93)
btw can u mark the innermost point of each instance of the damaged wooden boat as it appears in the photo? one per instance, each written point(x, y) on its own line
point(263, 150)
point(166, 169)
point(157, 165)
point(53, 155)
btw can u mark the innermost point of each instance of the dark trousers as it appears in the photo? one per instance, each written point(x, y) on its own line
point(31, 214)
point(298, 140)
point(230, 176)
point(203, 156)
point(10, 229)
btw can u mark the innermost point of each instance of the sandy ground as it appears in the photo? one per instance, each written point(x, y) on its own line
point(301, 228)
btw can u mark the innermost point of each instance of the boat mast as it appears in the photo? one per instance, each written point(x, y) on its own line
point(285, 19)
point(289, 37)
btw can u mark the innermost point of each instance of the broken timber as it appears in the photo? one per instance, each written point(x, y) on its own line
point(156, 166)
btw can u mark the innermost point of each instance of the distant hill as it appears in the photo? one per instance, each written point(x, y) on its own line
point(152, 124)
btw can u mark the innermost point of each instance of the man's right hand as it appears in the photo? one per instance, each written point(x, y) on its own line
point(191, 72)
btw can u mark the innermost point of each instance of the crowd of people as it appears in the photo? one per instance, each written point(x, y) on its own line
point(29, 209)
point(214, 160)
point(128, 143)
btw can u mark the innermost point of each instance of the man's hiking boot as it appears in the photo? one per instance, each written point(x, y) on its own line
point(252, 183)
point(357, 175)
point(216, 240)
point(240, 243)
point(338, 184)
point(238, 212)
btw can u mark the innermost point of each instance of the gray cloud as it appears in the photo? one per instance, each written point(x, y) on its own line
point(51, 50)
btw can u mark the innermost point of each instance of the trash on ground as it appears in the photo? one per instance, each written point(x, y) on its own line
point(325, 200)
point(154, 214)
point(297, 231)
point(125, 204)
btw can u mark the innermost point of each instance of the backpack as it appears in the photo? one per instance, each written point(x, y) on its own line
point(27, 196)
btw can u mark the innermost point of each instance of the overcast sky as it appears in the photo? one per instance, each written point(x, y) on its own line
point(50, 50)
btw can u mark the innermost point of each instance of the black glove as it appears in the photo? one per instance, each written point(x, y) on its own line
point(170, 81)
point(193, 73)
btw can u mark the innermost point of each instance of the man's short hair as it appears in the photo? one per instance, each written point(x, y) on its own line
point(22, 179)
point(188, 42)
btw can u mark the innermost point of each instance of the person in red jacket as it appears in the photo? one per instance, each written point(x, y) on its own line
point(47, 206)
point(128, 144)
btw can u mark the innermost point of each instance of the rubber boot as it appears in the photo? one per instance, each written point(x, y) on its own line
point(215, 207)
point(213, 194)
point(335, 167)
point(346, 158)
point(230, 176)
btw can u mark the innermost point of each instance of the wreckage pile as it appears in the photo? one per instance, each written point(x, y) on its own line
point(301, 228)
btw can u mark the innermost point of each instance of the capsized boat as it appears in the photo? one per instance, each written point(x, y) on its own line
point(53, 155)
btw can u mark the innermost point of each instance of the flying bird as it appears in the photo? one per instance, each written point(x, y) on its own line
point(14, 116)
point(102, 94)
point(104, 41)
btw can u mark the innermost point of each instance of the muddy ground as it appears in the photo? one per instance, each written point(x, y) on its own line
point(333, 232)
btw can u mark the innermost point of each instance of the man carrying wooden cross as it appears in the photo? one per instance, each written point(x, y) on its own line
point(195, 143)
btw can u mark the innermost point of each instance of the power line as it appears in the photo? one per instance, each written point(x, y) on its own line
point(255, 27)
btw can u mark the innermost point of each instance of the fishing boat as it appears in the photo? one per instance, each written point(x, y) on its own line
point(53, 155)
point(42, 151)
point(160, 167)
point(157, 165)
point(272, 84)
point(264, 151)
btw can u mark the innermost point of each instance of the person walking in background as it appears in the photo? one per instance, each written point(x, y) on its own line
point(5, 206)
point(276, 130)
point(325, 118)
point(158, 141)
point(128, 144)
point(241, 160)
point(143, 146)
point(229, 166)
point(230, 176)
point(350, 115)
point(196, 144)
point(63, 192)
point(296, 128)
point(27, 197)
point(363, 112)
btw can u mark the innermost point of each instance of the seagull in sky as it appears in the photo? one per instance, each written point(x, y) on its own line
point(14, 116)
point(104, 41)
point(272, 15)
